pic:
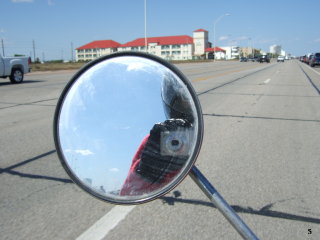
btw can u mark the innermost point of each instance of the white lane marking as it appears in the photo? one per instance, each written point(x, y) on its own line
point(268, 80)
point(314, 70)
point(105, 224)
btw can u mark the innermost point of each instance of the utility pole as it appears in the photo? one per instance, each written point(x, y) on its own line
point(2, 47)
point(34, 51)
point(72, 52)
point(214, 33)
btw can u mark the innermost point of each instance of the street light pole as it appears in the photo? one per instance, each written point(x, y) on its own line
point(214, 33)
point(2, 48)
point(249, 47)
point(145, 25)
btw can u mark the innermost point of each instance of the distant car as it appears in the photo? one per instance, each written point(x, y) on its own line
point(243, 59)
point(280, 59)
point(309, 58)
point(303, 58)
point(264, 58)
point(314, 60)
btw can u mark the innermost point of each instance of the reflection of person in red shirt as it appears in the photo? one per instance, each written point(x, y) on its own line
point(163, 152)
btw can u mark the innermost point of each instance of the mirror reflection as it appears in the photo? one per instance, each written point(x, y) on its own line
point(127, 127)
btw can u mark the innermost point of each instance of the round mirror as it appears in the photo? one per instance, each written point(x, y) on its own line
point(128, 127)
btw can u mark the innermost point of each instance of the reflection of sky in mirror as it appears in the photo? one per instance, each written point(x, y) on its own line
point(107, 113)
point(105, 116)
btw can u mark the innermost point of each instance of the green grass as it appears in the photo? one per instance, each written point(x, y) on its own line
point(56, 66)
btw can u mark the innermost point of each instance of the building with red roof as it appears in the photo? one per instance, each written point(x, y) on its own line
point(182, 47)
point(215, 51)
point(96, 49)
point(201, 42)
point(169, 47)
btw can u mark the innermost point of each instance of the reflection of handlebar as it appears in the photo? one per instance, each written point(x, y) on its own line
point(166, 150)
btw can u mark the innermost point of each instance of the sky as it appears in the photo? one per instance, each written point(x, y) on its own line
point(54, 27)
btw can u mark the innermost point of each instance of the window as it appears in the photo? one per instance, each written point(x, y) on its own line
point(164, 53)
point(165, 47)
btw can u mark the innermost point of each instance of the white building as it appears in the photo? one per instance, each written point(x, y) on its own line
point(170, 48)
point(201, 42)
point(232, 52)
point(181, 47)
point(275, 49)
point(96, 49)
point(215, 53)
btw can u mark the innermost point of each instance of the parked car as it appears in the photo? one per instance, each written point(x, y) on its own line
point(14, 68)
point(307, 61)
point(264, 58)
point(314, 60)
point(243, 59)
point(280, 59)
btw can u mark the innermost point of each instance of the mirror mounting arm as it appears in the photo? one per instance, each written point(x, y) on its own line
point(221, 204)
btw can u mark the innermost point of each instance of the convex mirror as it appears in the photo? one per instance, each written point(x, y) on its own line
point(128, 127)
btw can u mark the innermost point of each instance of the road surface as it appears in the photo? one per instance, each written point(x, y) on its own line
point(260, 150)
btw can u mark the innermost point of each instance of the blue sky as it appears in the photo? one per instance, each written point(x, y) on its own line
point(57, 25)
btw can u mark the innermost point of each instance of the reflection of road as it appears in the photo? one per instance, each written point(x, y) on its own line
point(260, 149)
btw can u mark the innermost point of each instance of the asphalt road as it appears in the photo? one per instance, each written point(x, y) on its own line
point(260, 150)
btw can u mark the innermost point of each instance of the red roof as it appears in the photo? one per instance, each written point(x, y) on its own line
point(100, 44)
point(200, 30)
point(170, 40)
point(215, 49)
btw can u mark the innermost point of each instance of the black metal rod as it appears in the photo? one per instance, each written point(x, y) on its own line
point(221, 204)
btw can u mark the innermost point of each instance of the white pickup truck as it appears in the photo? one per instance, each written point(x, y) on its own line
point(14, 68)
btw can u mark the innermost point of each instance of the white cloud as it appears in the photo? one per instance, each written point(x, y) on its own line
point(317, 40)
point(242, 38)
point(222, 38)
point(84, 152)
point(136, 66)
point(114, 170)
point(22, 1)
